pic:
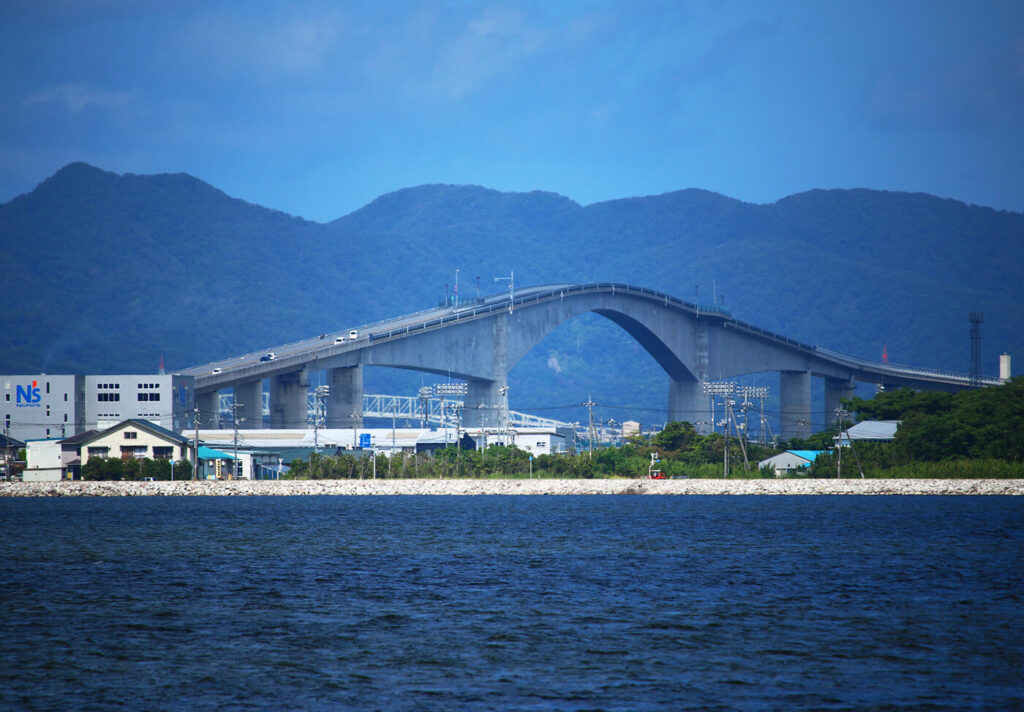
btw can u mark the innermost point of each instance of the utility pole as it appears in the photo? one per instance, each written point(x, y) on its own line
point(393, 400)
point(7, 452)
point(503, 414)
point(234, 422)
point(319, 393)
point(195, 444)
point(729, 402)
point(841, 415)
point(724, 389)
point(590, 426)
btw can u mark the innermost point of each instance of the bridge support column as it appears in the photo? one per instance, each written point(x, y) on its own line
point(795, 392)
point(345, 404)
point(288, 393)
point(250, 395)
point(687, 402)
point(208, 404)
point(836, 389)
point(485, 405)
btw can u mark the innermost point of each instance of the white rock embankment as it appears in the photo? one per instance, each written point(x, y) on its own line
point(506, 487)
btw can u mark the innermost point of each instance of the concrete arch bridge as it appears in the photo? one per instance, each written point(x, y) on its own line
point(479, 342)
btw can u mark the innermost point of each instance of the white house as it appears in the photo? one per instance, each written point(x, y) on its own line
point(138, 439)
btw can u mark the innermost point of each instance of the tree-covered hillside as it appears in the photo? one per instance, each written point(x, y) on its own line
point(106, 273)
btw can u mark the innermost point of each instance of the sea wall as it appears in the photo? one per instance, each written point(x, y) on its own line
point(530, 486)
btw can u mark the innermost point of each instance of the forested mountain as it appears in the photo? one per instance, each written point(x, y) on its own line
point(106, 273)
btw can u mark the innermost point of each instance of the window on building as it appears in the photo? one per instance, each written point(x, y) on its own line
point(98, 451)
point(163, 453)
point(136, 452)
point(131, 435)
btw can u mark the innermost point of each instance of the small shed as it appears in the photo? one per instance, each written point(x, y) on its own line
point(786, 462)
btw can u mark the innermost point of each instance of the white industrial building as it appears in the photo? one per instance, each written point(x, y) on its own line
point(165, 400)
point(42, 406)
point(46, 407)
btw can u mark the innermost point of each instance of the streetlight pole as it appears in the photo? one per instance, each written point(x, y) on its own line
point(511, 279)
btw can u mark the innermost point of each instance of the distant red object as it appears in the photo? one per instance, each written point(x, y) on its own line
point(658, 475)
point(885, 354)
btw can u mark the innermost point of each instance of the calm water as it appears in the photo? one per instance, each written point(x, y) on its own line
point(530, 603)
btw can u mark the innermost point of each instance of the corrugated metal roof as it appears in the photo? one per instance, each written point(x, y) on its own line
point(208, 453)
point(809, 455)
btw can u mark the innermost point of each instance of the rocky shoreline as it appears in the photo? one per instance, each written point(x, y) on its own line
point(512, 487)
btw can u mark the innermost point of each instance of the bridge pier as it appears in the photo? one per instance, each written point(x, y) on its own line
point(836, 389)
point(250, 395)
point(209, 409)
point(345, 403)
point(288, 393)
point(687, 402)
point(485, 405)
point(795, 392)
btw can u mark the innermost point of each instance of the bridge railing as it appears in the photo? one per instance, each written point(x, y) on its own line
point(901, 369)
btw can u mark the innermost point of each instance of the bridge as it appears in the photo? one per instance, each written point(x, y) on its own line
point(480, 341)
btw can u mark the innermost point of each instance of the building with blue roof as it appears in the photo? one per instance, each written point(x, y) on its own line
point(790, 461)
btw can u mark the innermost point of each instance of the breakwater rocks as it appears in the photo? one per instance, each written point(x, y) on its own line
point(505, 487)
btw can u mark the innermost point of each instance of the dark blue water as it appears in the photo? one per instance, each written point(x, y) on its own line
point(574, 603)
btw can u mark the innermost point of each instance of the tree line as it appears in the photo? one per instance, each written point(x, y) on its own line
point(115, 468)
point(973, 433)
point(680, 450)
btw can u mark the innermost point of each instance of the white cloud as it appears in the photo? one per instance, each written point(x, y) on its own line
point(553, 364)
point(76, 97)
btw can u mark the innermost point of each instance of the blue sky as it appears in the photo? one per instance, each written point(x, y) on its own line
point(315, 108)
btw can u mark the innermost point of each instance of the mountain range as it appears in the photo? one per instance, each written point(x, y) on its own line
point(107, 273)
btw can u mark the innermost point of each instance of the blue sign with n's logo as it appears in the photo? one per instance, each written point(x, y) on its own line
point(364, 440)
point(28, 396)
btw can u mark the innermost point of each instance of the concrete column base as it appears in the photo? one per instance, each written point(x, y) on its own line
point(687, 402)
point(795, 392)
point(250, 395)
point(836, 389)
point(486, 406)
point(345, 403)
point(209, 410)
point(288, 396)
